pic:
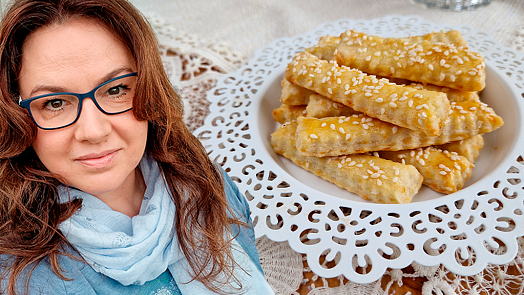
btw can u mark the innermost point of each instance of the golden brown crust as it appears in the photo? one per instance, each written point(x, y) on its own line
point(294, 95)
point(453, 95)
point(287, 113)
point(370, 177)
point(427, 62)
point(443, 171)
point(336, 136)
point(325, 48)
point(321, 107)
point(468, 148)
point(328, 44)
point(386, 101)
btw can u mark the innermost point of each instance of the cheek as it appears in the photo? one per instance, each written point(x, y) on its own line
point(51, 147)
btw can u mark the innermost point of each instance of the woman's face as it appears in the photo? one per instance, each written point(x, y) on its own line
point(99, 153)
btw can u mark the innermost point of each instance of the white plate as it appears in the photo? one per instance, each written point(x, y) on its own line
point(478, 224)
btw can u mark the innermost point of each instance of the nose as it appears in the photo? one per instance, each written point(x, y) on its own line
point(92, 126)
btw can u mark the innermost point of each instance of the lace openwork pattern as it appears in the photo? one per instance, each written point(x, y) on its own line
point(235, 135)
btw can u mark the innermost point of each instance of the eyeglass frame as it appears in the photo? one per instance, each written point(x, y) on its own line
point(26, 103)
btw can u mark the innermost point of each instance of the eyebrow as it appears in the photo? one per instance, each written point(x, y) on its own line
point(52, 89)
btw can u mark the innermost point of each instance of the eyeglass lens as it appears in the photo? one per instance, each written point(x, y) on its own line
point(55, 111)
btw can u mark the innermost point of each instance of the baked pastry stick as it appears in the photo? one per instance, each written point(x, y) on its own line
point(372, 178)
point(468, 148)
point(453, 95)
point(321, 107)
point(443, 171)
point(399, 105)
point(325, 47)
point(328, 44)
point(286, 113)
point(450, 37)
point(435, 63)
point(294, 95)
point(336, 136)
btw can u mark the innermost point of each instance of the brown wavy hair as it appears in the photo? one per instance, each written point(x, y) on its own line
point(30, 210)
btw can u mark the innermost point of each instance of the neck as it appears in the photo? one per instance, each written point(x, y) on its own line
point(127, 199)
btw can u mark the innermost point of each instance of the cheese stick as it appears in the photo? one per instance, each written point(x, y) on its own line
point(427, 62)
point(386, 101)
point(325, 48)
point(336, 136)
point(443, 171)
point(294, 95)
point(468, 148)
point(372, 178)
point(328, 44)
point(287, 113)
point(450, 37)
point(453, 95)
point(321, 107)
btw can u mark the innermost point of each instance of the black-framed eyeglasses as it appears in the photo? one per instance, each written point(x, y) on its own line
point(61, 109)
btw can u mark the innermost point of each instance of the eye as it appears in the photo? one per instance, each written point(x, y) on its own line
point(55, 103)
point(117, 90)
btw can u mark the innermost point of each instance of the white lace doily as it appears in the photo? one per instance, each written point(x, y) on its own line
point(194, 67)
point(464, 231)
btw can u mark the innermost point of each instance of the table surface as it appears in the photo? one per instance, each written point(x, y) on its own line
point(244, 26)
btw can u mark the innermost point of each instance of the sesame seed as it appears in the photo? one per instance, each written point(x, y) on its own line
point(379, 100)
point(422, 162)
point(339, 165)
point(323, 125)
point(420, 122)
point(430, 66)
point(348, 136)
point(332, 126)
point(341, 130)
point(392, 104)
point(368, 58)
point(339, 81)
point(368, 94)
point(442, 76)
point(394, 129)
point(314, 136)
point(330, 91)
point(443, 172)
point(365, 176)
point(360, 165)
point(379, 183)
point(365, 126)
point(395, 179)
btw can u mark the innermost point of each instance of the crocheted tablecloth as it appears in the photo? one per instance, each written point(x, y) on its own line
point(223, 36)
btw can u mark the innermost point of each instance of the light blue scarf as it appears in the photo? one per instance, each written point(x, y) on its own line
point(139, 249)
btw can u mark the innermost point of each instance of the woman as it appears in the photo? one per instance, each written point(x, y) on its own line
point(103, 188)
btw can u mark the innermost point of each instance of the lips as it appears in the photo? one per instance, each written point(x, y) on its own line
point(98, 160)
